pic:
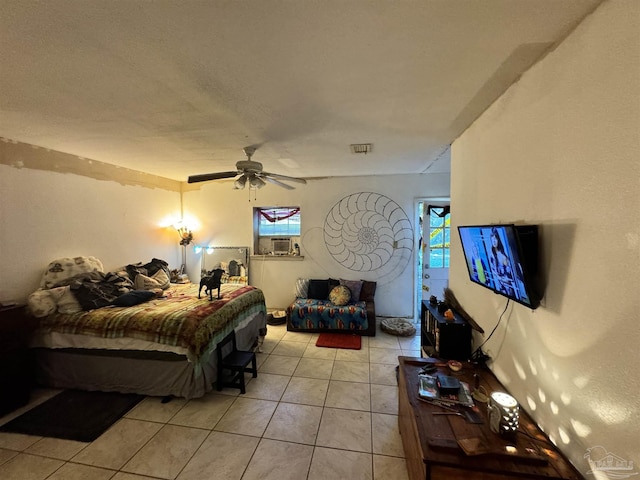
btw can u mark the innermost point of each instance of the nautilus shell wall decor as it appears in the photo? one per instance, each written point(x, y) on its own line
point(368, 232)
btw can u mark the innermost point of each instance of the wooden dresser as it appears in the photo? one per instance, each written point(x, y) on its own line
point(16, 362)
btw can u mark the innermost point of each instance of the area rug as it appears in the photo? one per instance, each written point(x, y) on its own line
point(74, 415)
point(339, 340)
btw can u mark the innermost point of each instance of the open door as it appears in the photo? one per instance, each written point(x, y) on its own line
point(433, 255)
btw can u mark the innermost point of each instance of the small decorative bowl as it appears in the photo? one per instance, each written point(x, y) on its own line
point(454, 365)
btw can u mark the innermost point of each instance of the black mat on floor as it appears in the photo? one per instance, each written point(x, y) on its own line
point(74, 415)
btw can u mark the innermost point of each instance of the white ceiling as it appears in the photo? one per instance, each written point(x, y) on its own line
point(179, 87)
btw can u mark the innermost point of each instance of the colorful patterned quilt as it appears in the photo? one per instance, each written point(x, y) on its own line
point(307, 313)
point(179, 318)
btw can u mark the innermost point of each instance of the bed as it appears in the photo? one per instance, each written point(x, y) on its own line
point(164, 346)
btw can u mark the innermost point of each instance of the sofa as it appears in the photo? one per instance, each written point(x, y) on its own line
point(333, 306)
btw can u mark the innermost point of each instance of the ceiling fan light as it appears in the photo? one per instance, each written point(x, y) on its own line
point(256, 182)
point(239, 183)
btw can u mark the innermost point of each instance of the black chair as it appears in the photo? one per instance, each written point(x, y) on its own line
point(235, 361)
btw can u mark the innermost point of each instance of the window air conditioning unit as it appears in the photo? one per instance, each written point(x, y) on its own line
point(281, 246)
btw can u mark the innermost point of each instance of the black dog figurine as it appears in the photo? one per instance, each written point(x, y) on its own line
point(211, 281)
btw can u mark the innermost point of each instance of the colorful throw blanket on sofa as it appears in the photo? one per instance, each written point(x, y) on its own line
point(309, 313)
point(179, 318)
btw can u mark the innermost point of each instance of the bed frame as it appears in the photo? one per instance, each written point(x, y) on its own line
point(154, 373)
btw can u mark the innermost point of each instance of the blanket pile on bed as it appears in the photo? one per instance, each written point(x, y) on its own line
point(71, 285)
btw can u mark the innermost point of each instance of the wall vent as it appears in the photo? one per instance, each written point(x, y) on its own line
point(361, 148)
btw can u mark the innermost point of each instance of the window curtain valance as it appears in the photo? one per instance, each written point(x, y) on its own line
point(278, 214)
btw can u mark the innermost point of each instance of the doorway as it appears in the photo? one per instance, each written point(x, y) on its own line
point(433, 218)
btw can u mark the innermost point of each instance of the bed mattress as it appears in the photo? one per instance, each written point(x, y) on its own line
point(162, 347)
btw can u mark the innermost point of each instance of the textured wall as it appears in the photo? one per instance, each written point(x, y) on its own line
point(56, 205)
point(53, 205)
point(560, 149)
point(226, 220)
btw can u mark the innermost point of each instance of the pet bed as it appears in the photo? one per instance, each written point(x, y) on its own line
point(398, 326)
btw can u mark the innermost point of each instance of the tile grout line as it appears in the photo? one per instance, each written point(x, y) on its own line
point(279, 401)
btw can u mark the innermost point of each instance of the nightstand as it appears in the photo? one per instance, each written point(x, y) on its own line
point(16, 362)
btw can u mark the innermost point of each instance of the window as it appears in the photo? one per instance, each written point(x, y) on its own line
point(277, 230)
point(439, 236)
point(279, 222)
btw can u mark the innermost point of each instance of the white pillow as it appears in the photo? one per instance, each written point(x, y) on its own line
point(67, 303)
point(44, 302)
point(302, 287)
point(63, 268)
point(40, 303)
point(160, 279)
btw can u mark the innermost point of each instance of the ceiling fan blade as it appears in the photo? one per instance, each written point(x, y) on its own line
point(284, 177)
point(205, 177)
point(276, 182)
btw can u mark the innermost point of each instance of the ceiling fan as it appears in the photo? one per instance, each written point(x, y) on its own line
point(250, 173)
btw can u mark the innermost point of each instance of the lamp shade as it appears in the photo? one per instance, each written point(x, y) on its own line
point(256, 182)
point(239, 183)
point(504, 413)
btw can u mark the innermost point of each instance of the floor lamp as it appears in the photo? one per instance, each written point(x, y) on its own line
point(185, 239)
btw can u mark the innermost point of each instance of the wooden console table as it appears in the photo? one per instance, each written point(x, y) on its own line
point(432, 442)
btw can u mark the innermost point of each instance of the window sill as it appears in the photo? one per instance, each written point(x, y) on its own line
point(277, 257)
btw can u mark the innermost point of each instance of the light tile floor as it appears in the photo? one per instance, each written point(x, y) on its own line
point(312, 413)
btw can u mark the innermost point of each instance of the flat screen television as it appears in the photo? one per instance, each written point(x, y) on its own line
point(504, 259)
